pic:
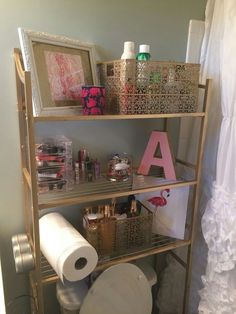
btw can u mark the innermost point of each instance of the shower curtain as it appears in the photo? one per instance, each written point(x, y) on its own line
point(219, 220)
point(216, 256)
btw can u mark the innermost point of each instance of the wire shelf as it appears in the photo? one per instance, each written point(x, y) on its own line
point(159, 244)
point(103, 189)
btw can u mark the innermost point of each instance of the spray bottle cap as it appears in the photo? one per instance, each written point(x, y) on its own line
point(144, 49)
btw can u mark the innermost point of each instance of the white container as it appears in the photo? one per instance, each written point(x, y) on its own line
point(129, 52)
point(148, 271)
point(71, 295)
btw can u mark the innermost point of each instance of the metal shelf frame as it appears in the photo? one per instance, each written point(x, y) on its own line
point(159, 244)
point(43, 273)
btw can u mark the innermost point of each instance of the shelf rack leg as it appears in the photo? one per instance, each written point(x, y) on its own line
point(202, 137)
point(34, 193)
point(28, 162)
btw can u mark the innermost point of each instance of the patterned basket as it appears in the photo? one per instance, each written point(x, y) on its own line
point(149, 87)
point(117, 236)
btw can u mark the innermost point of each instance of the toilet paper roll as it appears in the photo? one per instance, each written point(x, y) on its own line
point(69, 254)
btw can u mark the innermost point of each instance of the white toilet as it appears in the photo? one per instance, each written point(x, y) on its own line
point(120, 289)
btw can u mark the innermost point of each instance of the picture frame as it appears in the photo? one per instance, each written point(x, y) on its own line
point(59, 67)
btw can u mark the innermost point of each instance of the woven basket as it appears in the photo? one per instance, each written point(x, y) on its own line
point(117, 236)
point(149, 87)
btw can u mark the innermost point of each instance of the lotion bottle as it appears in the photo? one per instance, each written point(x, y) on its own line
point(128, 50)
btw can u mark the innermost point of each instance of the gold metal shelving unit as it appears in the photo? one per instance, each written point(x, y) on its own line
point(159, 244)
point(43, 273)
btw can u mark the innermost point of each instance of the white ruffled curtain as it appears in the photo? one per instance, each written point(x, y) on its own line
point(219, 220)
point(218, 190)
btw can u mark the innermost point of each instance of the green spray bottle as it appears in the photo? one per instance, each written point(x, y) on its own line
point(144, 53)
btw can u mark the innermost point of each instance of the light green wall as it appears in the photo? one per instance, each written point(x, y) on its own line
point(161, 23)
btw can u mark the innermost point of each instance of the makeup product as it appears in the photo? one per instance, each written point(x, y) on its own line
point(113, 206)
point(107, 232)
point(82, 171)
point(101, 209)
point(87, 212)
point(77, 173)
point(91, 217)
point(106, 213)
point(82, 154)
point(97, 171)
point(89, 169)
point(133, 209)
point(91, 226)
point(54, 164)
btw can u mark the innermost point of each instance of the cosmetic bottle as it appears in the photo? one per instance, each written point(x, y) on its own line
point(107, 232)
point(89, 170)
point(113, 207)
point(144, 53)
point(82, 171)
point(87, 213)
point(143, 69)
point(106, 213)
point(77, 173)
point(82, 154)
point(91, 227)
point(96, 169)
point(128, 50)
point(133, 209)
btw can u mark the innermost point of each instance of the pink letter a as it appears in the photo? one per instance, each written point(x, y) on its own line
point(149, 158)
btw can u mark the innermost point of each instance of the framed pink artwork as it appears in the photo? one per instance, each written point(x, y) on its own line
point(59, 67)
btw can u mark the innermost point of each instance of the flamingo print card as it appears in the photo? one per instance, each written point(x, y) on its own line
point(169, 208)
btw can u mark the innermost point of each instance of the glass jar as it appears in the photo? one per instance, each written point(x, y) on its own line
point(119, 167)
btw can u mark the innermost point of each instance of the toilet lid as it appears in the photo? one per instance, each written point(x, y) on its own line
point(121, 289)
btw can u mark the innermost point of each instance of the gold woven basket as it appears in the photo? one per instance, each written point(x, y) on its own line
point(117, 236)
point(149, 87)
